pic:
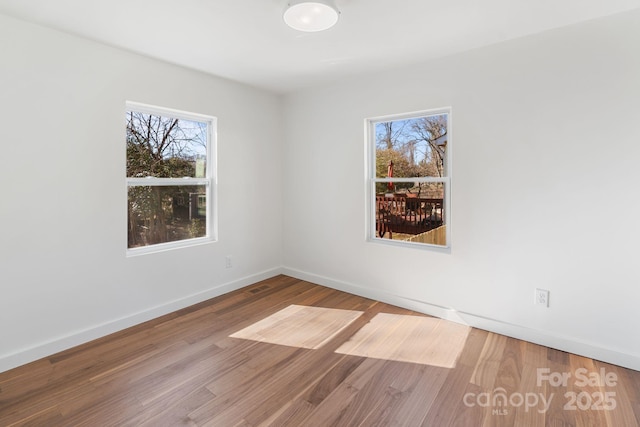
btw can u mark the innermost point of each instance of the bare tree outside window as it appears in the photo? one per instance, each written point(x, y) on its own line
point(167, 178)
point(410, 177)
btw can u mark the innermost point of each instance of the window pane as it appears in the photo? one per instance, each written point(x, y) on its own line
point(417, 216)
point(159, 214)
point(414, 147)
point(165, 147)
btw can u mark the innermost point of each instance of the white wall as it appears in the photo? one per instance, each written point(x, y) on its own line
point(546, 169)
point(64, 275)
point(545, 146)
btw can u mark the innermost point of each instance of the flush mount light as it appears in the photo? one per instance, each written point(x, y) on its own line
point(311, 16)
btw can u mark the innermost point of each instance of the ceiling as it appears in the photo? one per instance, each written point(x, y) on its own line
point(247, 40)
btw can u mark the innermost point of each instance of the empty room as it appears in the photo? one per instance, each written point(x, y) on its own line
point(326, 213)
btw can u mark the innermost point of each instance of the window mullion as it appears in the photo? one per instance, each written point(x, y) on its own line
point(143, 182)
point(416, 179)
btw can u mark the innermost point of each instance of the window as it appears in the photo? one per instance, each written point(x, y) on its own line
point(409, 175)
point(170, 178)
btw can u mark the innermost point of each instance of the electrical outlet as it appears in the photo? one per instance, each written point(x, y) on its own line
point(542, 297)
point(227, 262)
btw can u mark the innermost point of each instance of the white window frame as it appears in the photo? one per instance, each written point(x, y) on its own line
point(371, 180)
point(209, 181)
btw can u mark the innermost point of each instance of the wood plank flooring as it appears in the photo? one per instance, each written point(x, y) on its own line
point(260, 356)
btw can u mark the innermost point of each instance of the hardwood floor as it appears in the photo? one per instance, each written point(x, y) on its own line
point(348, 361)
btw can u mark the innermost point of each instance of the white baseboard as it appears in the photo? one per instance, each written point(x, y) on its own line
point(22, 357)
point(545, 338)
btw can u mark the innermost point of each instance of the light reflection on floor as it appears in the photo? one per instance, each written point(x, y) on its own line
point(402, 338)
point(414, 339)
point(300, 326)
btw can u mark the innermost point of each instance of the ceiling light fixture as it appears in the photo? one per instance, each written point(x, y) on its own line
point(311, 16)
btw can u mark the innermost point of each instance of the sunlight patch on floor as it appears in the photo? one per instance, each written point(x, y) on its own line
point(299, 326)
point(413, 339)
